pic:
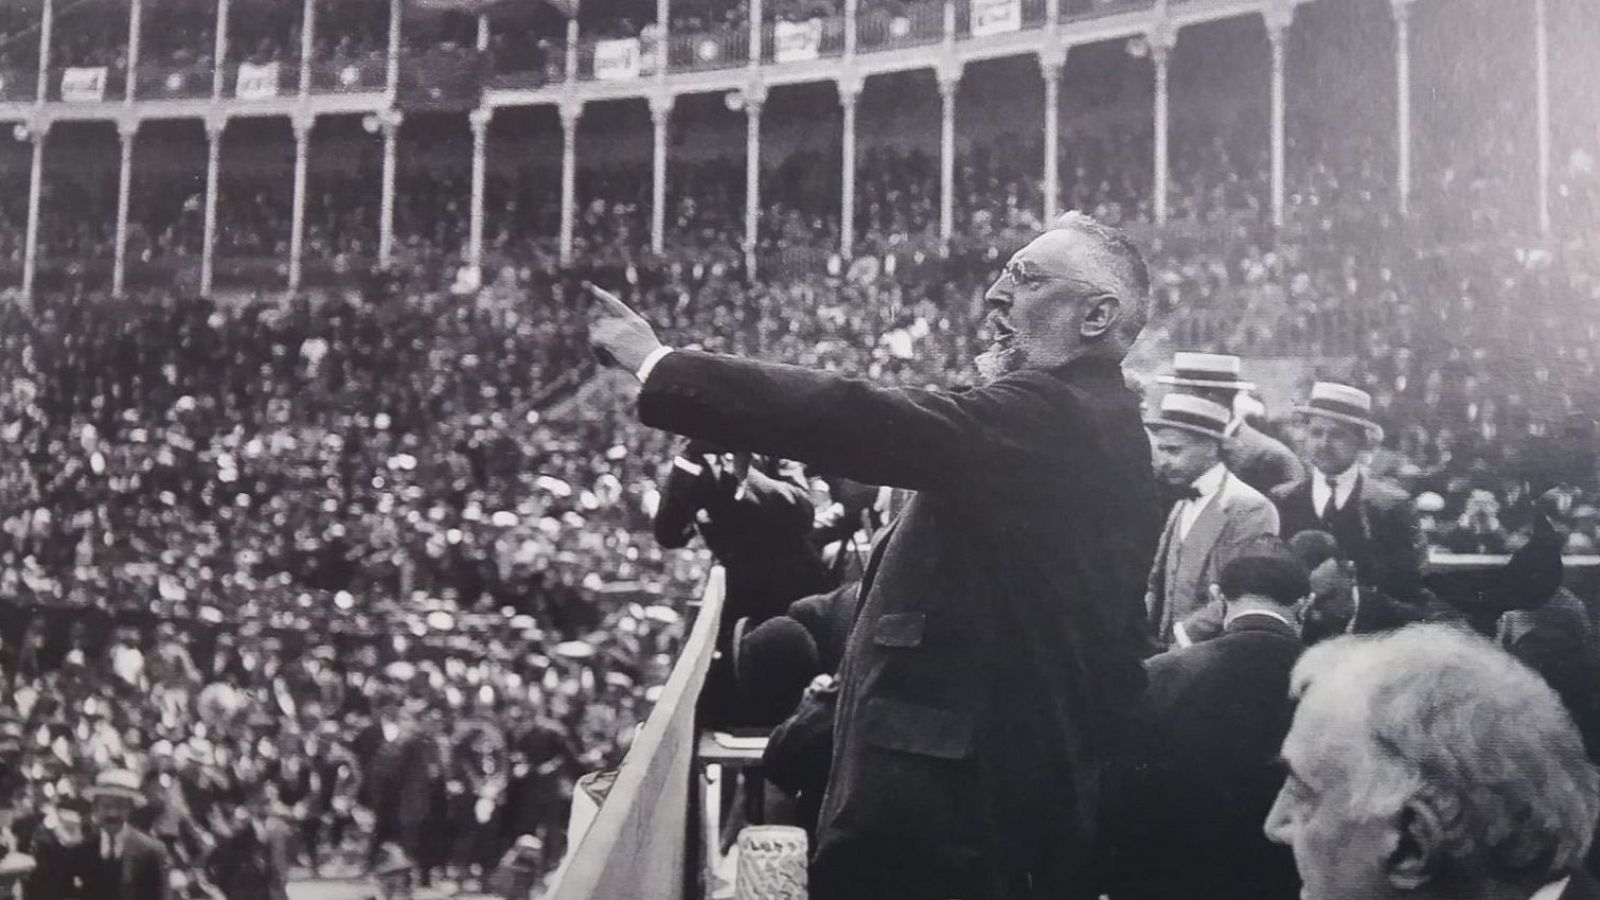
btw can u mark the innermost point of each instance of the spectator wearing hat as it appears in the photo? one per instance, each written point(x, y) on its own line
point(1216, 514)
point(1184, 821)
point(252, 863)
point(117, 861)
point(1371, 519)
point(1257, 459)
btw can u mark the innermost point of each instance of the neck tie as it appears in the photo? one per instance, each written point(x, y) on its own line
point(1332, 506)
point(1187, 493)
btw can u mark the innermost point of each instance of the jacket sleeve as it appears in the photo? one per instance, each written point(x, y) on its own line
point(1249, 523)
point(851, 427)
point(674, 521)
point(780, 504)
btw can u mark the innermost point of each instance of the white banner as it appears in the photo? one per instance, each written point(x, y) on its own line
point(84, 85)
point(616, 60)
point(256, 82)
point(996, 16)
point(797, 41)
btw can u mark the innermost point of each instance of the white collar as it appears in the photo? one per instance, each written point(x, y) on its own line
point(1209, 483)
point(1233, 617)
point(1551, 891)
point(1343, 480)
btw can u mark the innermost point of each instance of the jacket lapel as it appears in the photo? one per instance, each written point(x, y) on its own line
point(1203, 535)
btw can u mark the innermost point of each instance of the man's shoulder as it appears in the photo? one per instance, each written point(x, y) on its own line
point(138, 842)
point(1382, 493)
point(1242, 496)
point(1287, 491)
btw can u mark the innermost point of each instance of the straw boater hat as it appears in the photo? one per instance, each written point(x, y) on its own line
point(120, 783)
point(1196, 415)
point(1205, 370)
point(1342, 403)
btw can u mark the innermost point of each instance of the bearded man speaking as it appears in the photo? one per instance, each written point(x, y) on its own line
point(998, 638)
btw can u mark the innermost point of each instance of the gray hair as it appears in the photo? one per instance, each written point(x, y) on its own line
point(1122, 263)
point(1453, 722)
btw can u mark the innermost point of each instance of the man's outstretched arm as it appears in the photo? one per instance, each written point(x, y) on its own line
point(845, 426)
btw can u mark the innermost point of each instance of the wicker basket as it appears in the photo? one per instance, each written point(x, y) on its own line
point(772, 863)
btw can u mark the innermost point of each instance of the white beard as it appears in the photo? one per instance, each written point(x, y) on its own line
point(994, 364)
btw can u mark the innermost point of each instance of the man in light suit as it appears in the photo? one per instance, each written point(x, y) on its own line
point(1217, 513)
point(1258, 460)
point(995, 655)
point(1371, 519)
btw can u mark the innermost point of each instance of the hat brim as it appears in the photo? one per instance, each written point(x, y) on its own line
point(1373, 428)
point(95, 792)
point(1175, 381)
point(1153, 424)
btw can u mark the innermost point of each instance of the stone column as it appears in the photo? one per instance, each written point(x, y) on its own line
point(755, 97)
point(38, 130)
point(571, 112)
point(850, 87)
point(949, 82)
point(1541, 71)
point(127, 130)
point(479, 120)
point(302, 121)
point(1051, 62)
point(1402, 67)
point(660, 119)
point(389, 121)
point(215, 122)
point(1278, 17)
point(1161, 42)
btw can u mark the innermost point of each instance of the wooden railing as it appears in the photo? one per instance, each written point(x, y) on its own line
point(638, 844)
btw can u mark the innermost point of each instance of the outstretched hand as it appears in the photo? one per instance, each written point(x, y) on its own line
point(619, 336)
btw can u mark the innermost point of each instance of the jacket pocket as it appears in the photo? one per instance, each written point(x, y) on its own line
point(924, 730)
point(898, 630)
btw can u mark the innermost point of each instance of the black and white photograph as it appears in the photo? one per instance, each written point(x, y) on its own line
point(799, 449)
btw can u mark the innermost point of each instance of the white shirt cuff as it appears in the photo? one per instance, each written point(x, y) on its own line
point(649, 364)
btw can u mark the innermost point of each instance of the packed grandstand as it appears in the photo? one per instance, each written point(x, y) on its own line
point(416, 462)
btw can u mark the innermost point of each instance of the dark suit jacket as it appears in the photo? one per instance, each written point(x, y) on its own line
point(1582, 887)
point(1387, 545)
point(996, 648)
point(1186, 806)
point(142, 874)
point(246, 867)
point(1261, 461)
point(758, 534)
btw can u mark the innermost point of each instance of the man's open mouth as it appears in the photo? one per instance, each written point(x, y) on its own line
point(1001, 334)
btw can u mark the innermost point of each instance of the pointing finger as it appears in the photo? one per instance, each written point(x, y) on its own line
point(605, 298)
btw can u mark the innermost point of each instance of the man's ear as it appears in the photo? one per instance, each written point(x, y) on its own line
point(1216, 594)
point(1416, 841)
point(1100, 316)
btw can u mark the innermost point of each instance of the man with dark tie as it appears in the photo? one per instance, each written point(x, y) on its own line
point(1216, 514)
point(1370, 518)
point(1258, 460)
point(116, 860)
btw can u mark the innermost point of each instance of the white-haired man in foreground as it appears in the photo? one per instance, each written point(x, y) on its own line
point(1428, 764)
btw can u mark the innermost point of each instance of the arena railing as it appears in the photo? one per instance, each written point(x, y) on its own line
point(639, 844)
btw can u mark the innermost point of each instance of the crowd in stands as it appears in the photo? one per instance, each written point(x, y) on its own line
point(186, 486)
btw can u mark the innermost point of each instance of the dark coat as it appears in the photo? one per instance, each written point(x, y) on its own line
point(997, 646)
point(1261, 461)
point(758, 530)
point(141, 874)
point(1379, 532)
point(246, 867)
point(1582, 887)
point(1186, 806)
